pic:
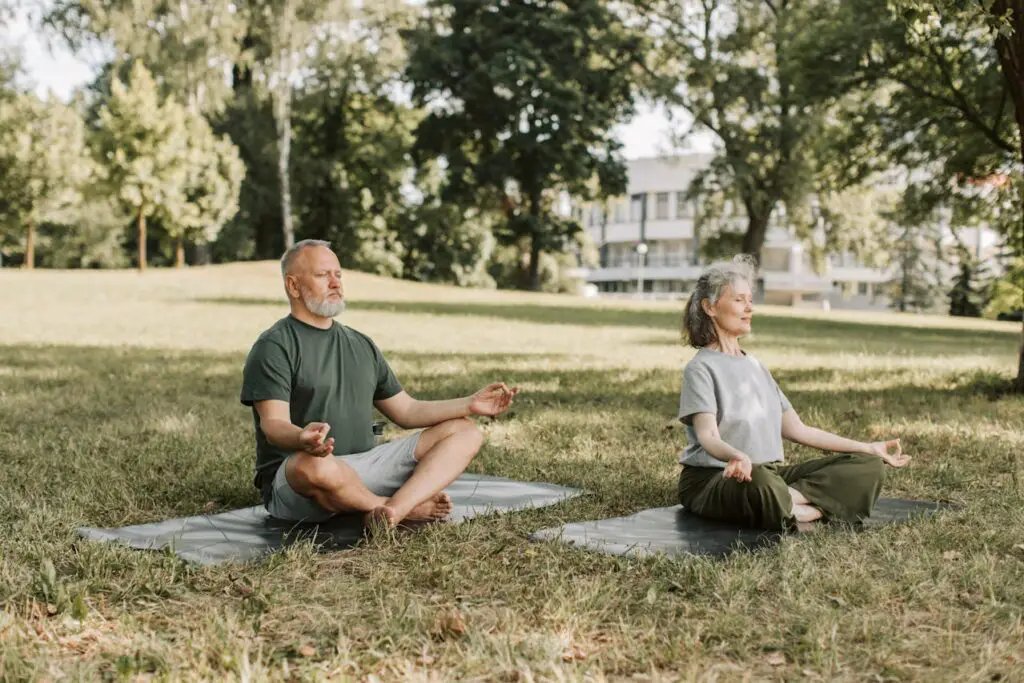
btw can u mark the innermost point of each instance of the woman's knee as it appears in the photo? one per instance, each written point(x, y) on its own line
point(769, 498)
point(871, 466)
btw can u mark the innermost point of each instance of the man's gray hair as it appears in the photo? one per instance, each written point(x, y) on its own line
point(698, 327)
point(293, 253)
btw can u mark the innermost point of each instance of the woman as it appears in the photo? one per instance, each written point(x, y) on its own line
point(736, 418)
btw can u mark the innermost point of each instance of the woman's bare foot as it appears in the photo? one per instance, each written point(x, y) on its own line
point(432, 510)
point(807, 513)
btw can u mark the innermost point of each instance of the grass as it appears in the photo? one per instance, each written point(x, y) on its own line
point(119, 405)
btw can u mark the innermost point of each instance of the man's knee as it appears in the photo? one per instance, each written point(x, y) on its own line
point(306, 472)
point(463, 429)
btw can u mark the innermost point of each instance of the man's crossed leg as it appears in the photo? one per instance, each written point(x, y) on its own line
point(388, 484)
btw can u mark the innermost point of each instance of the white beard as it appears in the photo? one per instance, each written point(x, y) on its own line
point(323, 307)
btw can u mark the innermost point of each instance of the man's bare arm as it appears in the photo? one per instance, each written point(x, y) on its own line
point(276, 423)
point(410, 413)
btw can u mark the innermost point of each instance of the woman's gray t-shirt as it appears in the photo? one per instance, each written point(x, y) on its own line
point(745, 400)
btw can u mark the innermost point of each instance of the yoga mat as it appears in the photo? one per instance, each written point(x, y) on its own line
point(674, 531)
point(245, 534)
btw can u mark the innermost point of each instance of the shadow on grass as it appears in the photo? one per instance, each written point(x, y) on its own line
point(144, 433)
point(808, 332)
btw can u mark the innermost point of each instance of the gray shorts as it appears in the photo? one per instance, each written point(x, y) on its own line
point(383, 470)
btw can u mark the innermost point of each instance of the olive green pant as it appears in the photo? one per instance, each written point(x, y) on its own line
point(844, 486)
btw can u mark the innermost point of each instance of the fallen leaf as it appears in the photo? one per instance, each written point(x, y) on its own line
point(51, 609)
point(839, 602)
point(776, 658)
point(451, 622)
point(951, 555)
point(210, 506)
point(307, 651)
point(573, 653)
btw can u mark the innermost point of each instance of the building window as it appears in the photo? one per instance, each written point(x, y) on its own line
point(636, 207)
point(682, 206)
point(661, 206)
point(862, 289)
point(775, 259)
point(620, 211)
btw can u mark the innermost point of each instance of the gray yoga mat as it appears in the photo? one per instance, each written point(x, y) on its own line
point(674, 531)
point(249, 533)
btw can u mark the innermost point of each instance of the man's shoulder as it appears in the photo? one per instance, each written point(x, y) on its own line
point(359, 340)
point(279, 334)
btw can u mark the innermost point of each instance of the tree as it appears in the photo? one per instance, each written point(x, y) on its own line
point(188, 45)
point(522, 96)
point(352, 179)
point(965, 298)
point(45, 164)
point(957, 70)
point(209, 193)
point(737, 67)
point(142, 143)
point(286, 28)
point(916, 285)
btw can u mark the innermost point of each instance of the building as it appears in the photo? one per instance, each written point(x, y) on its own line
point(651, 239)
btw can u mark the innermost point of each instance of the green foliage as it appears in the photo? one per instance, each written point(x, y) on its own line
point(445, 242)
point(209, 193)
point(142, 142)
point(91, 234)
point(187, 44)
point(44, 166)
point(1007, 296)
point(355, 136)
point(521, 99)
point(739, 69)
point(967, 296)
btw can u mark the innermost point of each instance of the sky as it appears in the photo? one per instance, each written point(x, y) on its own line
point(51, 67)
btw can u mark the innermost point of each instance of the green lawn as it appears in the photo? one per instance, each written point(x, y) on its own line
point(119, 405)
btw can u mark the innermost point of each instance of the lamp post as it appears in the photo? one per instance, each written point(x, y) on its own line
point(641, 250)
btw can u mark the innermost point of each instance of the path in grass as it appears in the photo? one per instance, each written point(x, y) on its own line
point(118, 405)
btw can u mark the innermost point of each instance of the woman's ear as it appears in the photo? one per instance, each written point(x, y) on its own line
point(705, 304)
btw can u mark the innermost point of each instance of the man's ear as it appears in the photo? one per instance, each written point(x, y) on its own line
point(291, 286)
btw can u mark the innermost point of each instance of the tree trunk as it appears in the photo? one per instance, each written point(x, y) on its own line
point(283, 115)
point(30, 245)
point(141, 219)
point(533, 279)
point(757, 230)
point(1018, 382)
point(284, 127)
point(1011, 58)
point(179, 252)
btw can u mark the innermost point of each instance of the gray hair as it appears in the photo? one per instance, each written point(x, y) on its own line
point(698, 328)
point(293, 253)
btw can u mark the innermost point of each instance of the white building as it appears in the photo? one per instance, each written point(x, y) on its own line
point(655, 216)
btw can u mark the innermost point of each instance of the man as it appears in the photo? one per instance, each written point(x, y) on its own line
point(312, 384)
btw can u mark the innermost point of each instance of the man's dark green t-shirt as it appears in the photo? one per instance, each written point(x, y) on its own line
point(331, 376)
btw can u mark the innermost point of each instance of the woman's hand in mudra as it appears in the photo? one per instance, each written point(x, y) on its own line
point(889, 451)
point(739, 469)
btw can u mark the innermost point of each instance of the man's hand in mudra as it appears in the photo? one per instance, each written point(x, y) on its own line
point(492, 400)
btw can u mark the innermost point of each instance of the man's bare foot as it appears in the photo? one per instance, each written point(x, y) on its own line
point(807, 527)
point(381, 519)
point(433, 510)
